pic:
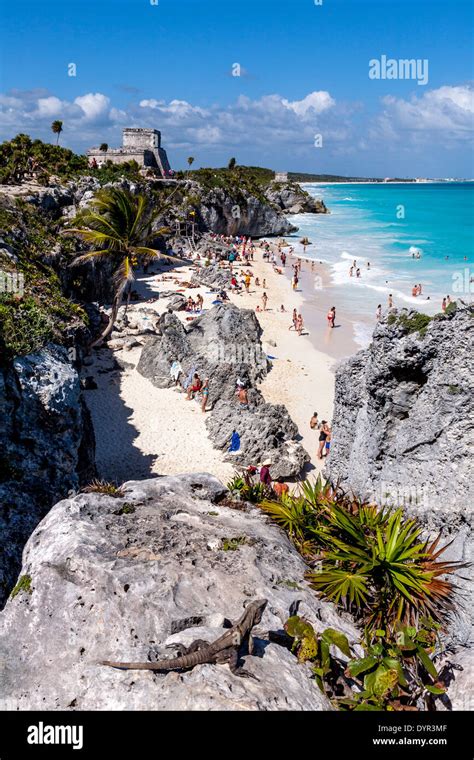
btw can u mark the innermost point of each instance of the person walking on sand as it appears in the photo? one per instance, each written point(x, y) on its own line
point(265, 300)
point(294, 320)
point(299, 324)
point(331, 316)
point(204, 394)
point(323, 434)
point(264, 284)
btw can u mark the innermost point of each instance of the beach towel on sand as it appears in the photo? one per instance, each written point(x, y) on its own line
point(234, 442)
point(189, 379)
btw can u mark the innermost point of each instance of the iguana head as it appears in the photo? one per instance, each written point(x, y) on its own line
point(256, 609)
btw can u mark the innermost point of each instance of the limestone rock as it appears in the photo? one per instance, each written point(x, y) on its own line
point(120, 578)
point(403, 431)
point(46, 447)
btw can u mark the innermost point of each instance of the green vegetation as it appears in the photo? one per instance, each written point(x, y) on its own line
point(125, 509)
point(119, 225)
point(23, 586)
point(34, 311)
point(416, 322)
point(232, 544)
point(23, 158)
point(241, 488)
point(373, 562)
point(451, 308)
point(394, 673)
point(105, 487)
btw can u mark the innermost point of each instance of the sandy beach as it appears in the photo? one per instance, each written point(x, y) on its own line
point(165, 433)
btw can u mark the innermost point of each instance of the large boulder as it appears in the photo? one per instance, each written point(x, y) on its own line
point(403, 431)
point(223, 344)
point(241, 214)
point(292, 199)
point(122, 578)
point(266, 431)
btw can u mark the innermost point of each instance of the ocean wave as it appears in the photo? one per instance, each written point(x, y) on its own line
point(363, 332)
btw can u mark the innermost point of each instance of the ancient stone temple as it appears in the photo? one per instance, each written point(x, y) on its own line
point(140, 145)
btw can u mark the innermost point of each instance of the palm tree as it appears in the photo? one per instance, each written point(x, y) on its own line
point(119, 224)
point(57, 127)
point(232, 164)
point(190, 162)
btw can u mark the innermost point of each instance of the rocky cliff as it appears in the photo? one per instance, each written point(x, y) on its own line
point(403, 433)
point(123, 578)
point(46, 445)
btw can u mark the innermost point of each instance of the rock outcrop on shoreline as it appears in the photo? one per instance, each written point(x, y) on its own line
point(224, 345)
point(46, 445)
point(292, 199)
point(122, 578)
point(403, 434)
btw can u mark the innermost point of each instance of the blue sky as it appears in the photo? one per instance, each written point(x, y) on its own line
point(304, 72)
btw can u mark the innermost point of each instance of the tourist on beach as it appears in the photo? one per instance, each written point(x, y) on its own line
point(204, 394)
point(414, 290)
point(294, 320)
point(368, 265)
point(257, 282)
point(264, 299)
point(264, 284)
point(199, 302)
point(448, 301)
point(280, 488)
point(295, 282)
point(265, 476)
point(419, 289)
point(390, 301)
point(443, 304)
point(195, 387)
point(282, 309)
point(299, 324)
point(242, 396)
point(327, 445)
point(354, 263)
point(247, 282)
point(351, 270)
point(378, 312)
point(357, 272)
point(313, 423)
point(331, 316)
point(323, 434)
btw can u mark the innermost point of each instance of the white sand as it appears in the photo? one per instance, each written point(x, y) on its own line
point(143, 431)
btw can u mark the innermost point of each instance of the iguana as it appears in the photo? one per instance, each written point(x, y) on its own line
point(226, 649)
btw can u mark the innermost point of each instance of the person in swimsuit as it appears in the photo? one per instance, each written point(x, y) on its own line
point(264, 299)
point(205, 394)
point(195, 387)
point(323, 434)
point(331, 316)
point(294, 320)
point(328, 441)
point(313, 423)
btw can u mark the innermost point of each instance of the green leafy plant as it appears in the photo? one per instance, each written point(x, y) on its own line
point(315, 647)
point(376, 565)
point(232, 544)
point(125, 509)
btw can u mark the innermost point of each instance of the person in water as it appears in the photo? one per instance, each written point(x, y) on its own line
point(331, 316)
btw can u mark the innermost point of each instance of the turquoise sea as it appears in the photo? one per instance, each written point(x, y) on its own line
point(384, 224)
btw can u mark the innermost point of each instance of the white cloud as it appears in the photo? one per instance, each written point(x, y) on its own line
point(94, 105)
point(317, 102)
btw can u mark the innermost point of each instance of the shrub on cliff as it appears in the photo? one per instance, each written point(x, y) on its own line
point(373, 561)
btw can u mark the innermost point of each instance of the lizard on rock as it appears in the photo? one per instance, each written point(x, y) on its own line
point(226, 649)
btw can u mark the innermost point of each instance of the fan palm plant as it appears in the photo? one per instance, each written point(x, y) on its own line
point(377, 566)
point(119, 225)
